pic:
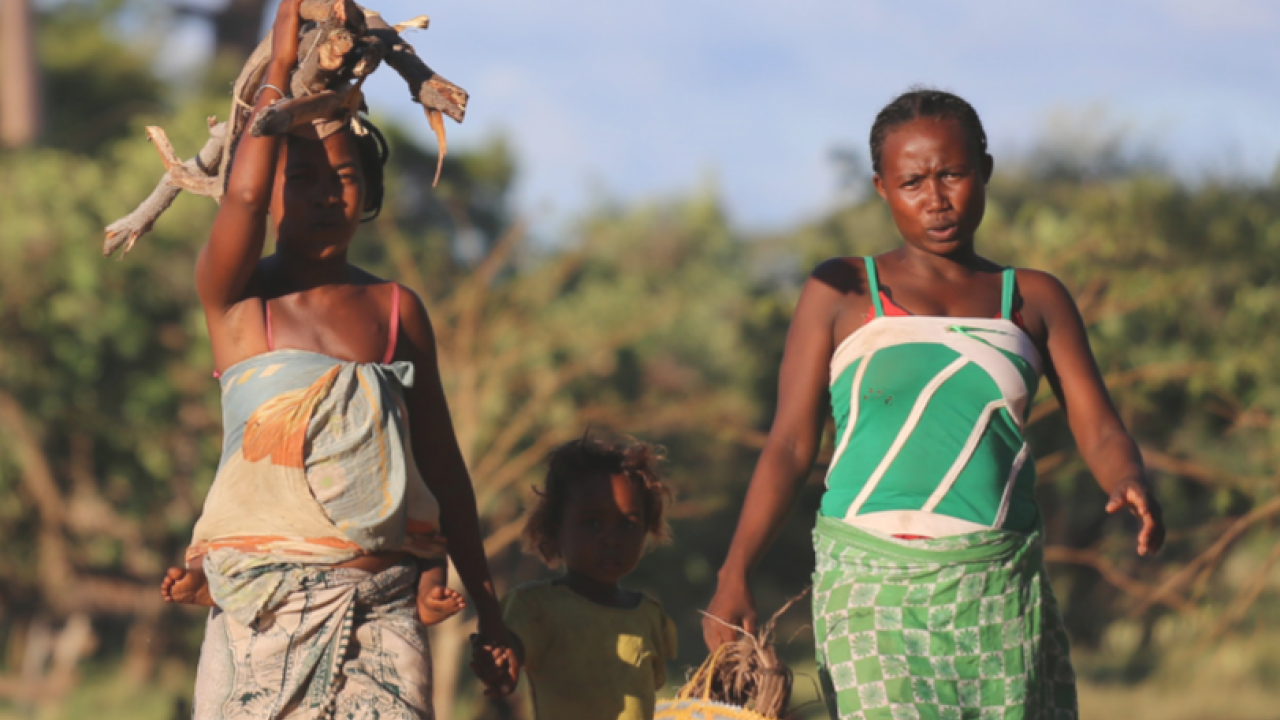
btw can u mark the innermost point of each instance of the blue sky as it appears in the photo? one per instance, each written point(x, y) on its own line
point(633, 101)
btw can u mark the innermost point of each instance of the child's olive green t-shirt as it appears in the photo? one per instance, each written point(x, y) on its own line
point(586, 661)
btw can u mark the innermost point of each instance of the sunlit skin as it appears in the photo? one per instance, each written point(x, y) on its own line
point(313, 193)
point(934, 183)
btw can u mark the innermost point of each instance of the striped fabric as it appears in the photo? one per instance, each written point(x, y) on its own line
point(929, 416)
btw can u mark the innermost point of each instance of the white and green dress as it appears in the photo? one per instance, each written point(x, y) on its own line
point(930, 597)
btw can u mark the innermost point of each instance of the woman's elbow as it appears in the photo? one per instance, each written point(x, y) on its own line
point(250, 198)
point(796, 454)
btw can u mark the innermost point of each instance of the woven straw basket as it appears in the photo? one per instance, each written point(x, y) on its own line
point(694, 709)
point(693, 701)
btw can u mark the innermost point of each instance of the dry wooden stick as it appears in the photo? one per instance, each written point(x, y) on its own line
point(436, 95)
point(123, 233)
point(343, 44)
point(293, 113)
point(190, 179)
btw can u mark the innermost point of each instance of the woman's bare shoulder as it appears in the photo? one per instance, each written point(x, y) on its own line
point(843, 275)
point(1043, 290)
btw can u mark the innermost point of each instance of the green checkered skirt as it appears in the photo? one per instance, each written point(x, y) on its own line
point(943, 629)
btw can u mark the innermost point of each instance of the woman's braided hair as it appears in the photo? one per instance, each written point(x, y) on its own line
point(590, 459)
point(924, 102)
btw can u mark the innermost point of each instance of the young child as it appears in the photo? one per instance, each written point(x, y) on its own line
point(321, 545)
point(591, 648)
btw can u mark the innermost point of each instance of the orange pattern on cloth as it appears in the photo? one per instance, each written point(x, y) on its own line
point(278, 428)
point(316, 470)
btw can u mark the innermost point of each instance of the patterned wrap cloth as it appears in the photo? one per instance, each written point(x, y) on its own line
point(951, 628)
point(344, 644)
point(315, 471)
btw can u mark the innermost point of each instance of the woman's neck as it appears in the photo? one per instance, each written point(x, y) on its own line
point(960, 265)
point(298, 272)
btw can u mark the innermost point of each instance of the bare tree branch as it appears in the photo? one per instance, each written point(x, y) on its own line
point(123, 233)
point(1209, 557)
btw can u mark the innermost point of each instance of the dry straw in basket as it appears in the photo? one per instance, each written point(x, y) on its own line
point(742, 680)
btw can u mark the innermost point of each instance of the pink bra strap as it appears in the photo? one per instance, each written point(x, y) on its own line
point(393, 328)
point(271, 344)
point(392, 333)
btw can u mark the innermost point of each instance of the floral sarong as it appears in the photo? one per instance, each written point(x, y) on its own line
point(338, 643)
point(949, 628)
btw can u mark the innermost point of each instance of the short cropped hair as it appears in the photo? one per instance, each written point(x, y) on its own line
point(925, 102)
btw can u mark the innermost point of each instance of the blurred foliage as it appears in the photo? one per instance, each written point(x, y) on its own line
point(95, 83)
point(659, 320)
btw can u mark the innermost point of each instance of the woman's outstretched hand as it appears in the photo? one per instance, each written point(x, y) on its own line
point(1137, 497)
point(731, 608)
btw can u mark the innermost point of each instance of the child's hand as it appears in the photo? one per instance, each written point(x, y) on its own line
point(496, 664)
point(1137, 496)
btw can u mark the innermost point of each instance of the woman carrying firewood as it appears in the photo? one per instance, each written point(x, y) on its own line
point(321, 544)
point(930, 598)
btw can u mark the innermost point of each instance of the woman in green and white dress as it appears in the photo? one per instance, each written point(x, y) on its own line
point(930, 597)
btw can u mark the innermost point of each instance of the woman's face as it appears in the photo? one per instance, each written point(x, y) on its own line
point(934, 183)
point(318, 195)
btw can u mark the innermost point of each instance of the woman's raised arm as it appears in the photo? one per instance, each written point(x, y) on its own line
point(228, 260)
point(787, 457)
point(1106, 446)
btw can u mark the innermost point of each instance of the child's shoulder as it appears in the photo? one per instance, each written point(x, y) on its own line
point(533, 587)
point(535, 593)
point(662, 627)
point(650, 603)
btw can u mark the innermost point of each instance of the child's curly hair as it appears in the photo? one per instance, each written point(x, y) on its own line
point(591, 458)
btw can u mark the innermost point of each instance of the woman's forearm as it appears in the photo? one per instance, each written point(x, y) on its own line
point(460, 523)
point(1114, 458)
point(255, 157)
point(773, 489)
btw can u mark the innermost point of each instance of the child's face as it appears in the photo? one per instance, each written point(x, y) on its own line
point(603, 532)
point(318, 195)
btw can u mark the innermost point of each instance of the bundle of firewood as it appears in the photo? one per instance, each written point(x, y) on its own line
point(341, 45)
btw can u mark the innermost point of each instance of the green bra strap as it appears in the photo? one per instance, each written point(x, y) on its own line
point(874, 285)
point(1006, 293)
